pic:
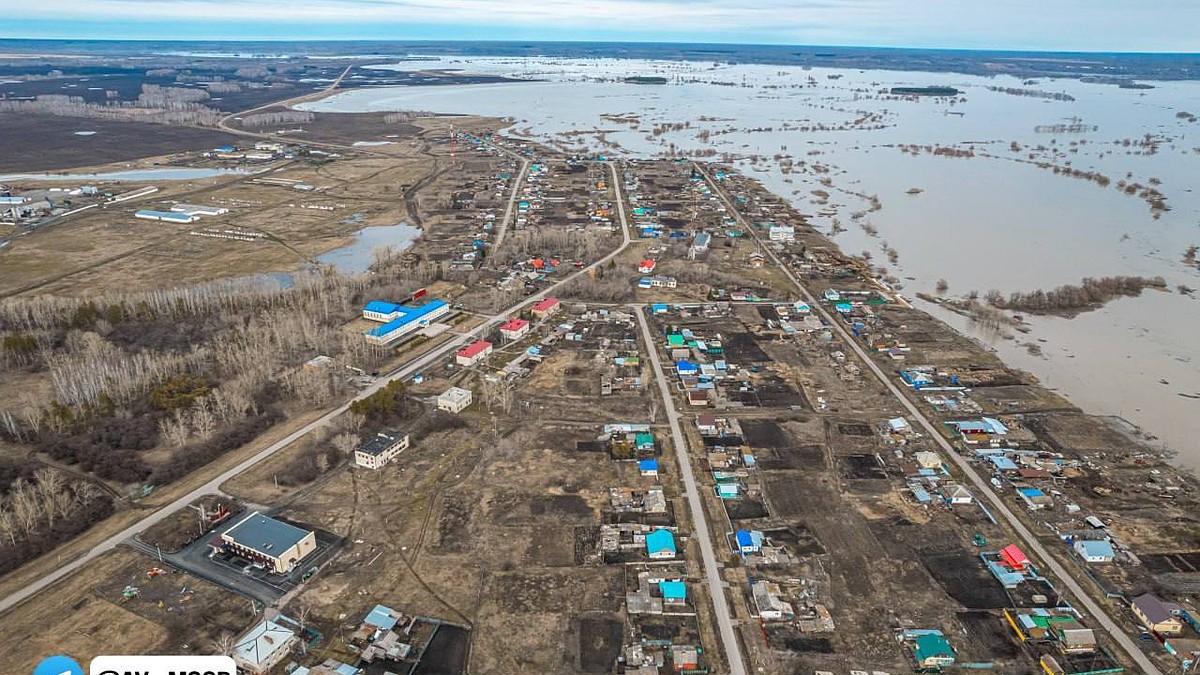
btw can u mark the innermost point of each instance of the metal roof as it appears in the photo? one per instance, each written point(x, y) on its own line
point(265, 534)
point(379, 444)
point(258, 645)
point(660, 540)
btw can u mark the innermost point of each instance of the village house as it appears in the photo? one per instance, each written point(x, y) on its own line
point(377, 452)
point(262, 647)
point(660, 545)
point(1094, 550)
point(1156, 614)
point(767, 600)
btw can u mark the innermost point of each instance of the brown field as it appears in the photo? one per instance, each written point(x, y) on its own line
point(86, 616)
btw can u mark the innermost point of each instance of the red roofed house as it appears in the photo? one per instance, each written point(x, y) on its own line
point(545, 308)
point(514, 329)
point(646, 266)
point(474, 353)
point(1014, 558)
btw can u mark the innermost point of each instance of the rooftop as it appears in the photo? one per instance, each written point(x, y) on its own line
point(474, 349)
point(265, 534)
point(380, 443)
point(258, 645)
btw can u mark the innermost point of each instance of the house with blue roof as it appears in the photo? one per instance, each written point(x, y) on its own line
point(673, 592)
point(1095, 550)
point(749, 541)
point(648, 467)
point(684, 367)
point(930, 648)
point(660, 545)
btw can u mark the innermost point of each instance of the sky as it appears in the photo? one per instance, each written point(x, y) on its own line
point(1043, 25)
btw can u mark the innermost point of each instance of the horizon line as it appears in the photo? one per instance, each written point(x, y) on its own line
point(279, 40)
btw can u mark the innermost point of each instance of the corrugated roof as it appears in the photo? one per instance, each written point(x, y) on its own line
point(474, 349)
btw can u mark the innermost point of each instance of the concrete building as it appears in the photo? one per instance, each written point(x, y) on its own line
point(473, 353)
point(454, 400)
point(274, 543)
point(400, 320)
point(547, 307)
point(264, 646)
point(514, 329)
point(377, 452)
point(165, 216)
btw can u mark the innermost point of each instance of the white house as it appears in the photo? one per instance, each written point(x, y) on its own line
point(377, 452)
point(260, 649)
point(1095, 550)
point(454, 400)
point(782, 233)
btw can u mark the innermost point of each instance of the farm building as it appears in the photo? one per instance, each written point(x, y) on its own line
point(195, 210)
point(165, 216)
point(272, 542)
point(454, 399)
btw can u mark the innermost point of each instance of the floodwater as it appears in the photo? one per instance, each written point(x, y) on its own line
point(131, 175)
point(356, 257)
point(996, 220)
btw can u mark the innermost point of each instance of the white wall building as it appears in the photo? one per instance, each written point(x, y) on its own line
point(375, 453)
point(782, 233)
point(454, 400)
point(274, 543)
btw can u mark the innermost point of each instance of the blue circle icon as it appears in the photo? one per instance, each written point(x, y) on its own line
point(58, 665)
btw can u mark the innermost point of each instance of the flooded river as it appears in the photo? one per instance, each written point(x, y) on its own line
point(1003, 218)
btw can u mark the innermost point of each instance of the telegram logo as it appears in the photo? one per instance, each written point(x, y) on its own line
point(58, 665)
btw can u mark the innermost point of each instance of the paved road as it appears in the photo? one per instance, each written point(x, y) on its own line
point(712, 568)
point(414, 366)
point(982, 486)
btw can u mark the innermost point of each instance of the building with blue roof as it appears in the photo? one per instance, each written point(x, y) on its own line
point(685, 367)
point(1095, 550)
point(673, 590)
point(930, 649)
point(382, 617)
point(648, 467)
point(660, 545)
point(749, 541)
point(400, 319)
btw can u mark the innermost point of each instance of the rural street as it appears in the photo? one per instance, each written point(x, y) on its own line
point(416, 365)
point(712, 568)
point(984, 487)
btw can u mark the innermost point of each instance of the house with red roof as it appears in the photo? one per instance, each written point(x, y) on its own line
point(474, 353)
point(646, 266)
point(514, 329)
point(545, 308)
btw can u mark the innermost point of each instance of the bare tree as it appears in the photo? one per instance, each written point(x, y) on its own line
point(345, 443)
